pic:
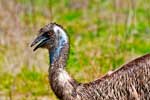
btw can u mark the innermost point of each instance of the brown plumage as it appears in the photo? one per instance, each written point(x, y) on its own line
point(130, 82)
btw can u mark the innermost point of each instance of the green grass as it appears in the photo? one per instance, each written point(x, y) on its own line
point(103, 36)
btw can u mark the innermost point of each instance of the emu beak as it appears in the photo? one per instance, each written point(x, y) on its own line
point(39, 42)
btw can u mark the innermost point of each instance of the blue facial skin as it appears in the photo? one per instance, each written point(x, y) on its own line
point(54, 53)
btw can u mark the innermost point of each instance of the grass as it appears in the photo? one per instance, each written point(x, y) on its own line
point(103, 34)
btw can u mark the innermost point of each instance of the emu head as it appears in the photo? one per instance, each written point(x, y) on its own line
point(50, 36)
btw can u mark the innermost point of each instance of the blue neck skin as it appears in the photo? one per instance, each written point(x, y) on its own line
point(55, 52)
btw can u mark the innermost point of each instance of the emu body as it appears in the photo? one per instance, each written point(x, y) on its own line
point(130, 82)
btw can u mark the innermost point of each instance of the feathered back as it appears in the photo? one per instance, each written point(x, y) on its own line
point(129, 82)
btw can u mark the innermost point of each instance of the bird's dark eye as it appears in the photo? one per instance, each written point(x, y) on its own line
point(47, 34)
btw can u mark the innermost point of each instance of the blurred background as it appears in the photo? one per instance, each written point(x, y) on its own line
point(104, 34)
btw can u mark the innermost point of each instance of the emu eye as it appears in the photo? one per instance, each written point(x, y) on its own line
point(49, 33)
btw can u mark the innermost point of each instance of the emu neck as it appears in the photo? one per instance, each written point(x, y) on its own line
point(58, 56)
point(61, 83)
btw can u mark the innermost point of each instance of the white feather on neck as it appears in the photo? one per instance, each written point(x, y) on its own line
point(61, 33)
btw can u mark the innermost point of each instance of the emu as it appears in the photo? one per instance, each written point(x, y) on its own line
point(130, 82)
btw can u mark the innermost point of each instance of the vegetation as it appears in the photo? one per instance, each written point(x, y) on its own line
point(104, 35)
